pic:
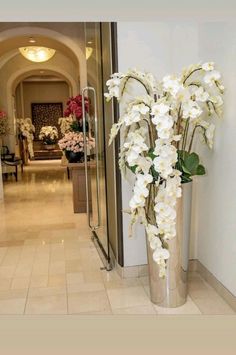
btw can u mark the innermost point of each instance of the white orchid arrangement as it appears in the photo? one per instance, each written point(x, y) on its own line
point(158, 131)
point(26, 130)
point(48, 134)
point(65, 124)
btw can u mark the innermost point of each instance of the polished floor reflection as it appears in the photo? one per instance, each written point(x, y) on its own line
point(48, 264)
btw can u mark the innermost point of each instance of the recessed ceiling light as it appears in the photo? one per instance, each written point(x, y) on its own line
point(90, 42)
point(37, 54)
point(32, 40)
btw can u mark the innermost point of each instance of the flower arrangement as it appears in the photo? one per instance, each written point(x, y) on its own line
point(65, 124)
point(48, 134)
point(158, 132)
point(26, 130)
point(74, 142)
point(4, 128)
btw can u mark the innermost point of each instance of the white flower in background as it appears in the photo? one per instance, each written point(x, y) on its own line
point(208, 66)
point(172, 85)
point(65, 124)
point(191, 110)
point(211, 77)
point(201, 94)
point(27, 129)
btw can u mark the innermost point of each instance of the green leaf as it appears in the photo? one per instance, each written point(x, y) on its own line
point(133, 168)
point(185, 179)
point(191, 163)
point(151, 154)
point(200, 170)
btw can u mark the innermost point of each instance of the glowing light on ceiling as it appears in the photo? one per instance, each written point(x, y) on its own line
point(37, 54)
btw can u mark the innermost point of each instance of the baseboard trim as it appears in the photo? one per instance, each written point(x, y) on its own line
point(214, 283)
point(194, 265)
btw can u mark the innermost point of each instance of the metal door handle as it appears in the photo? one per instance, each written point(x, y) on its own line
point(86, 157)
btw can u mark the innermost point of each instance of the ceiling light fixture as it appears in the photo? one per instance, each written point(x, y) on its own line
point(32, 40)
point(37, 54)
point(89, 51)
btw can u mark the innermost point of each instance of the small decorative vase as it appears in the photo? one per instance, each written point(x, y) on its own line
point(171, 291)
point(50, 146)
point(74, 157)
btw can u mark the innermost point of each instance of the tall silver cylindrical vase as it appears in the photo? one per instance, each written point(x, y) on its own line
point(171, 291)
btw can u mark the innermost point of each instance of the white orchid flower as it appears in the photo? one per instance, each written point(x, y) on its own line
point(208, 66)
point(201, 94)
point(211, 77)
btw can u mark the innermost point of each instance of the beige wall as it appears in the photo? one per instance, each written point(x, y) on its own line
point(41, 92)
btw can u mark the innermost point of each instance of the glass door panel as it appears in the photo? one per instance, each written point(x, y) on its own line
point(96, 168)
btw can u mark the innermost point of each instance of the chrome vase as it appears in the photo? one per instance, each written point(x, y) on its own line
point(171, 291)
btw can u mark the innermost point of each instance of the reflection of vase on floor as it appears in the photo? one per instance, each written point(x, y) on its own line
point(171, 291)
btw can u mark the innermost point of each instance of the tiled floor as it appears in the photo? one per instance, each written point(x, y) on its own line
point(48, 264)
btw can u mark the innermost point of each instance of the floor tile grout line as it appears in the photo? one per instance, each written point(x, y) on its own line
point(27, 295)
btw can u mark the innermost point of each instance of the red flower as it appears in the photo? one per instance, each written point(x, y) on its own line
point(3, 114)
point(74, 106)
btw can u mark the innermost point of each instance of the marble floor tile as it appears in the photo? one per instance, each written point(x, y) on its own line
point(88, 302)
point(135, 310)
point(57, 280)
point(5, 284)
point(128, 297)
point(56, 304)
point(75, 278)
point(12, 306)
point(38, 281)
point(20, 283)
point(188, 308)
point(48, 260)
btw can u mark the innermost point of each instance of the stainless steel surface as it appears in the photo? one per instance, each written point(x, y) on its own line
point(86, 89)
point(171, 291)
point(86, 159)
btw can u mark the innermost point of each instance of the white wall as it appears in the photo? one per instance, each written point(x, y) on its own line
point(161, 48)
point(217, 191)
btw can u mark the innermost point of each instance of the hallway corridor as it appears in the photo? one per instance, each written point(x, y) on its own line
point(49, 265)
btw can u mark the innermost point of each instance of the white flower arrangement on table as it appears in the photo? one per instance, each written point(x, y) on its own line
point(158, 131)
point(74, 142)
point(26, 130)
point(48, 134)
point(65, 124)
